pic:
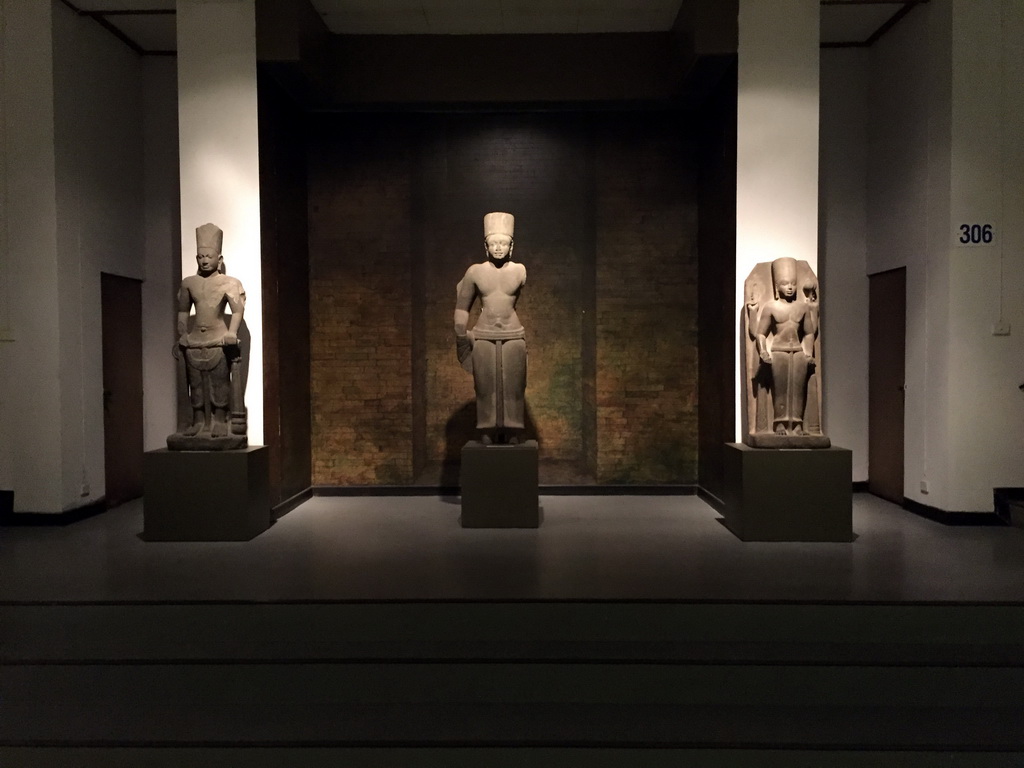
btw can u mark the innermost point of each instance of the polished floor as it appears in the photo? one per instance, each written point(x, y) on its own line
point(300, 647)
point(588, 548)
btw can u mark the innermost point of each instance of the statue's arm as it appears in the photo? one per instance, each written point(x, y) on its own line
point(521, 276)
point(811, 320)
point(751, 310)
point(236, 300)
point(764, 325)
point(184, 305)
point(465, 292)
point(810, 323)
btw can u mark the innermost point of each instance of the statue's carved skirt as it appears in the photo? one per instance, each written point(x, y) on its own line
point(499, 376)
point(208, 377)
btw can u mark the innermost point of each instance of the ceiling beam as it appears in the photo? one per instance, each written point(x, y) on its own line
point(100, 17)
point(907, 7)
point(869, 2)
point(126, 12)
point(893, 21)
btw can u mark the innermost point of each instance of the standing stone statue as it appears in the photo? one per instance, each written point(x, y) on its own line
point(213, 416)
point(495, 349)
point(781, 354)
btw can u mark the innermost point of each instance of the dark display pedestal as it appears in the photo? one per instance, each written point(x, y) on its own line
point(1009, 504)
point(788, 495)
point(206, 495)
point(499, 486)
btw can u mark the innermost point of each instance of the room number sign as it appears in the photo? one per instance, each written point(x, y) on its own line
point(975, 234)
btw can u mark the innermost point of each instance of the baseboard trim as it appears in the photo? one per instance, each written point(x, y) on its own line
point(280, 510)
point(67, 517)
point(860, 486)
point(545, 490)
point(619, 490)
point(952, 518)
point(384, 490)
point(711, 500)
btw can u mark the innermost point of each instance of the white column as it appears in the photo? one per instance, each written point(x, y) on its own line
point(219, 155)
point(30, 375)
point(776, 140)
point(986, 273)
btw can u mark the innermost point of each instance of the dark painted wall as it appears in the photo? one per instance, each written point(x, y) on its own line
point(606, 224)
point(285, 275)
point(717, 310)
point(327, 71)
point(503, 69)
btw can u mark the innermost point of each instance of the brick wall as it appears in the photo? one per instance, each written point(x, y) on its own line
point(529, 167)
point(646, 303)
point(605, 221)
point(360, 314)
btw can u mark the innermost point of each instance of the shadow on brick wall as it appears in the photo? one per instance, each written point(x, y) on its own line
point(460, 429)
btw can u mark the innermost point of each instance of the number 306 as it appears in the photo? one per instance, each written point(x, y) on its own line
point(975, 233)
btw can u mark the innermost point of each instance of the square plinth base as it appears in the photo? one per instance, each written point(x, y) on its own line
point(499, 486)
point(206, 495)
point(788, 495)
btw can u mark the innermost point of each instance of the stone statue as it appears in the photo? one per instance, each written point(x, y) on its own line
point(495, 349)
point(782, 349)
point(213, 416)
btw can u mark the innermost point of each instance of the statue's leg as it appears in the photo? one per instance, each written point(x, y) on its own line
point(184, 408)
point(239, 417)
point(195, 397)
point(763, 397)
point(513, 368)
point(220, 394)
point(485, 383)
point(797, 391)
point(781, 364)
point(812, 406)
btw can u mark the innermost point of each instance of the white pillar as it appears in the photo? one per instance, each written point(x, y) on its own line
point(776, 140)
point(30, 375)
point(219, 155)
point(985, 252)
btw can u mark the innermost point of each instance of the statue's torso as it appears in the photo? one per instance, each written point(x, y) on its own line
point(787, 317)
point(499, 291)
point(210, 297)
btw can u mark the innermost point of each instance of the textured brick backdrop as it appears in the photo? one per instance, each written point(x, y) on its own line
point(606, 226)
point(360, 312)
point(529, 167)
point(646, 304)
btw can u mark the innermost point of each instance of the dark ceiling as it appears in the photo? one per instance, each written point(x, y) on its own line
point(148, 26)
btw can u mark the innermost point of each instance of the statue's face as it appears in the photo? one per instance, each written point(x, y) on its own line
point(499, 247)
point(786, 286)
point(208, 260)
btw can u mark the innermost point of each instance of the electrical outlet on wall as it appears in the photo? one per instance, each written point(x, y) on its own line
point(1000, 329)
point(85, 489)
point(924, 486)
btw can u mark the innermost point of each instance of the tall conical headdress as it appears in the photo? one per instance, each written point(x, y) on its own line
point(210, 236)
point(499, 224)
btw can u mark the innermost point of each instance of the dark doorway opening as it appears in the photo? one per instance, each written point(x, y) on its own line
point(121, 300)
point(886, 376)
